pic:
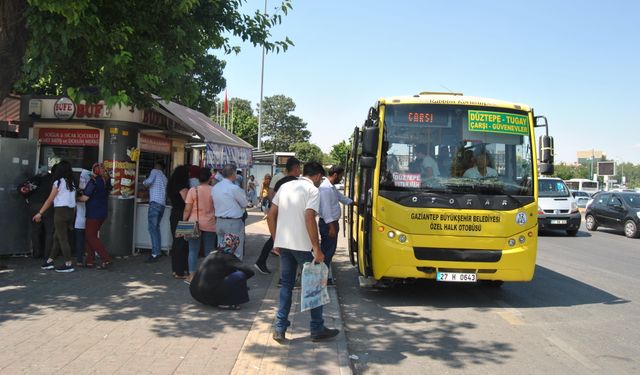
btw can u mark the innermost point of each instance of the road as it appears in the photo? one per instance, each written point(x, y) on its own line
point(579, 315)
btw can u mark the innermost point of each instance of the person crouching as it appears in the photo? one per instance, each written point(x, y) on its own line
point(221, 279)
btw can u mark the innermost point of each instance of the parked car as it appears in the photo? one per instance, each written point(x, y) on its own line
point(617, 210)
point(581, 197)
point(556, 207)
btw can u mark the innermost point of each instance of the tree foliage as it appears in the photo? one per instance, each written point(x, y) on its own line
point(281, 129)
point(13, 42)
point(339, 152)
point(245, 123)
point(306, 152)
point(125, 51)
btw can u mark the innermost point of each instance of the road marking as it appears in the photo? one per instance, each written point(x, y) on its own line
point(509, 313)
point(573, 353)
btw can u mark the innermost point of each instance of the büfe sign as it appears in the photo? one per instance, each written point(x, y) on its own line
point(69, 137)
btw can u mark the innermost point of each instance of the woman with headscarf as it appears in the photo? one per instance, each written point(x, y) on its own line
point(177, 189)
point(63, 199)
point(96, 195)
point(221, 280)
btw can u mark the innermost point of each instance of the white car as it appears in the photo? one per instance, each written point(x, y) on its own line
point(581, 197)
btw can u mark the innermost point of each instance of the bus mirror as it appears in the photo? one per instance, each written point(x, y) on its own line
point(370, 141)
point(545, 169)
point(546, 149)
point(367, 161)
point(545, 155)
point(541, 122)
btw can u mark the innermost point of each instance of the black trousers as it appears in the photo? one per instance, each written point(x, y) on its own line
point(179, 248)
point(42, 232)
point(264, 254)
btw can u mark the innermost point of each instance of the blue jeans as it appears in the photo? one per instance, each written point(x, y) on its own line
point(289, 261)
point(209, 239)
point(79, 248)
point(328, 245)
point(156, 210)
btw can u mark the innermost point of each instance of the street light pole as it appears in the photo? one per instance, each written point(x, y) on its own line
point(261, 91)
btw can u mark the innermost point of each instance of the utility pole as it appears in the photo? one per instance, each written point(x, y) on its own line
point(261, 90)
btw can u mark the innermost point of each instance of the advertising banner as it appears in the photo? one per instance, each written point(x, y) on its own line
point(69, 137)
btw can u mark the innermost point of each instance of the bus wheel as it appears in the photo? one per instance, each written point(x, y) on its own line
point(491, 283)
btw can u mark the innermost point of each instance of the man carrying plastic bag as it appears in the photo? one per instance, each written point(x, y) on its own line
point(292, 223)
point(314, 286)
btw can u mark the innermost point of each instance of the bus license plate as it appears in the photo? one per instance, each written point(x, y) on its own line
point(558, 221)
point(456, 277)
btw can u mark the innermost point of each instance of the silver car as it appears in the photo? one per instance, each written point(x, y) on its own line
point(581, 197)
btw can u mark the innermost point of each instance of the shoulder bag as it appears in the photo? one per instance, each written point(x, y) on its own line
point(189, 229)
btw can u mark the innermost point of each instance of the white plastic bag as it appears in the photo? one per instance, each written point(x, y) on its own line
point(314, 286)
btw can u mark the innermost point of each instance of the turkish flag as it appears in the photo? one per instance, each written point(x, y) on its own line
point(226, 102)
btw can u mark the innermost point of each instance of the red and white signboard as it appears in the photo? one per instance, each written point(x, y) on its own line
point(69, 137)
point(407, 179)
point(155, 144)
point(64, 108)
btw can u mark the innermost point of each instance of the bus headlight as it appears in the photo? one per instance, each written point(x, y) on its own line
point(512, 242)
point(402, 238)
point(391, 234)
point(522, 239)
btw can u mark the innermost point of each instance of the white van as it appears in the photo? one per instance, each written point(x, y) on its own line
point(557, 209)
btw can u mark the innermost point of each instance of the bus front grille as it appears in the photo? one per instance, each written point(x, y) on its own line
point(457, 255)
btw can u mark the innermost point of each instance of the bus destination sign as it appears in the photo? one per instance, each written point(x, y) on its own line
point(498, 122)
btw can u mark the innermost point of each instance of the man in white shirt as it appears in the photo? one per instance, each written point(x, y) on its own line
point(292, 223)
point(157, 184)
point(229, 203)
point(424, 164)
point(330, 212)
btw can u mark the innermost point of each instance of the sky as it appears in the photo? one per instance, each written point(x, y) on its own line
point(575, 62)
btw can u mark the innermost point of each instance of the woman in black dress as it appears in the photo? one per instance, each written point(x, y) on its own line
point(221, 280)
point(177, 188)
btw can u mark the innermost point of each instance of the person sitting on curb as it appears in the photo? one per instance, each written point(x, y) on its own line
point(221, 280)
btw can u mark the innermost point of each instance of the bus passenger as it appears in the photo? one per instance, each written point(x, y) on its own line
point(482, 168)
point(424, 164)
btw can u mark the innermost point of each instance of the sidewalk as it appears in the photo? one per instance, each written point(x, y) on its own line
point(135, 318)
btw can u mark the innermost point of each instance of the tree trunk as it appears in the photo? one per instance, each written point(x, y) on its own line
point(13, 43)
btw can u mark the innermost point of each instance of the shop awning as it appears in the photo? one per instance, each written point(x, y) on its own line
point(222, 146)
point(203, 125)
point(10, 110)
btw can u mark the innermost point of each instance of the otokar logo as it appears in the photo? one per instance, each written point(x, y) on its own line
point(521, 218)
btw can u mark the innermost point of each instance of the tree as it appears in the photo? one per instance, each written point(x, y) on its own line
point(245, 124)
point(339, 152)
point(126, 51)
point(281, 128)
point(13, 42)
point(306, 152)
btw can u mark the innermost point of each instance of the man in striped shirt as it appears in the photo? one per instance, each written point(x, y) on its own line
point(157, 184)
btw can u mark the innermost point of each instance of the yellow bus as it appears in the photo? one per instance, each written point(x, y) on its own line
point(445, 187)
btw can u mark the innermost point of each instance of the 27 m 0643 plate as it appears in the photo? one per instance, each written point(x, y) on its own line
point(456, 277)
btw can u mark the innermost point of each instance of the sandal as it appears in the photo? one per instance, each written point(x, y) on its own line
point(176, 276)
point(103, 266)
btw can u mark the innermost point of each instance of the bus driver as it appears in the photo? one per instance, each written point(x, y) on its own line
point(424, 164)
point(482, 168)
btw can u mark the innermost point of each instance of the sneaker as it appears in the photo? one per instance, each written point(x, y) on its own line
point(325, 334)
point(262, 268)
point(47, 265)
point(152, 259)
point(65, 268)
point(279, 336)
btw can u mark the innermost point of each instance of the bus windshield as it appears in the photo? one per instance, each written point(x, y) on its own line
point(456, 149)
